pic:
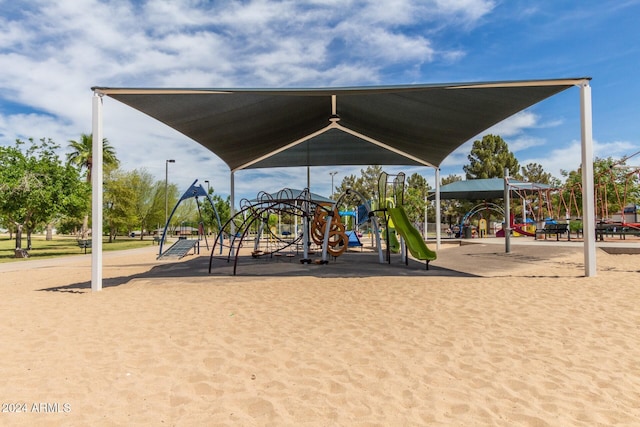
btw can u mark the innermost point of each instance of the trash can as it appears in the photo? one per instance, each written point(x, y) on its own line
point(466, 231)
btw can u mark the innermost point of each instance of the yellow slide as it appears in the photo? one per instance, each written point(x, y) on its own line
point(411, 236)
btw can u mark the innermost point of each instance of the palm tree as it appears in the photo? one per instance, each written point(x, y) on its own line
point(82, 157)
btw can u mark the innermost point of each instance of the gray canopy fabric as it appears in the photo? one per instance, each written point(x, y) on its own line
point(483, 189)
point(386, 125)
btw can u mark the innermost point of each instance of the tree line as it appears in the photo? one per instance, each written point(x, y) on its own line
point(616, 186)
point(40, 191)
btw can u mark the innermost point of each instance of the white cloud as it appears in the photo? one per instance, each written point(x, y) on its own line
point(525, 142)
point(13, 35)
point(36, 126)
point(470, 10)
point(514, 125)
point(51, 53)
point(614, 149)
point(568, 157)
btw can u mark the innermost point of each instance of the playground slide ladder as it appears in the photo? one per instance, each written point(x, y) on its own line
point(179, 249)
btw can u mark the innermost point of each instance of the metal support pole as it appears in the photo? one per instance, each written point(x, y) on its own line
point(438, 213)
point(426, 220)
point(588, 209)
point(305, 230)
point(325, 239)
point(96, 192)
point(232, 211)
point(507, 213)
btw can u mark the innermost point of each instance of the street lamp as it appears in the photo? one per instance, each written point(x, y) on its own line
point(332, 175)
point(206, 181)
point(166, 190)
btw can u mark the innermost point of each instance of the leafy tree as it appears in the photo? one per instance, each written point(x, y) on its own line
point(35, 186)
point(186, 214)
point(222, 208)
point(488, 159)
point(416, 192)
point(368, 184)
point(119, 208)
point(534, 172)
point(149, 200)
point(82, 157)
point(82, 154)
point(350, 182)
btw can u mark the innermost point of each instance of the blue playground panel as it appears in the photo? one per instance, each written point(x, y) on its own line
point(354, 240)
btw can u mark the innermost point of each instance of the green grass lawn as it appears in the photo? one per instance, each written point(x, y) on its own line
point(62, 246)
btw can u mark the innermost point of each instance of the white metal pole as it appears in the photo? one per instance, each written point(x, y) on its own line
point(437, 202)
point(507, 213)
point(588, 209)
point(96, 198)
point(232, 209)
point(426, 220)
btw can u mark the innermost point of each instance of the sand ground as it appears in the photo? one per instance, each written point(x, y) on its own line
point(482, 338)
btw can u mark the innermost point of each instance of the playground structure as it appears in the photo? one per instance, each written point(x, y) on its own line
point(184, 245)
point(610, 180)
point(317, 227)
point(314, 222)
point(611, 196)
point(390, 206)
point(545, 205)
point(530, 218)
point(464, 230)
point(327, 229)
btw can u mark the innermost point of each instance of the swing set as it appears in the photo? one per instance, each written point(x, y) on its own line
point(612, 188)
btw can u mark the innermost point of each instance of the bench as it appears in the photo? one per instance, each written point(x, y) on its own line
point(550, 229)
point(84, 244)
point(615, 230)
point(157, 240)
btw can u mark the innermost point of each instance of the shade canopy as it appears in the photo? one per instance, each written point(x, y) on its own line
point(484, 189)
point(384, 125)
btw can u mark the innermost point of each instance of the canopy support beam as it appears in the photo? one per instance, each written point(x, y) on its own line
point(588, 209)
point(232, 201)
point(507, 212)
point(438, 213)
point(96, 191)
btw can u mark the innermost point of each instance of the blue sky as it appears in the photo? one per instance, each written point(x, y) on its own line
point(52, 53)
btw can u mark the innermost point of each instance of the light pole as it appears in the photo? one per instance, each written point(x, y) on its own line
point(332, 188)
point(206, 181)
point(166, 190)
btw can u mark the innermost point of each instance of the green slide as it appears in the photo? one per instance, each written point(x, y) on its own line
point(411, 236)
point(394, 244)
